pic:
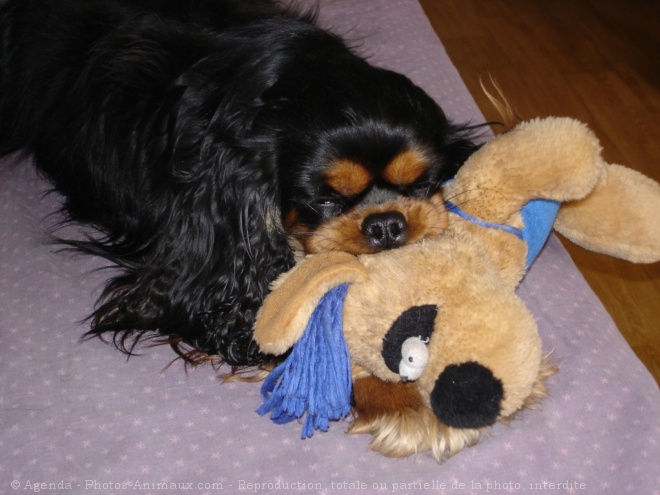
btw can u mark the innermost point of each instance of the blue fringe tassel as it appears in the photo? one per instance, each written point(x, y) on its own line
point(316, 377)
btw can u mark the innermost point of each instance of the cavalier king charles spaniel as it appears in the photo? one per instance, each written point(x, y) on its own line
point(208, 142)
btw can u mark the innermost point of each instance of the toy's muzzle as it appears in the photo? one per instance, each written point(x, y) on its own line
point(467, 396)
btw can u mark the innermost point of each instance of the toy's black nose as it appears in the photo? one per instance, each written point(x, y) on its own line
point(467, 396)
point(385, 230)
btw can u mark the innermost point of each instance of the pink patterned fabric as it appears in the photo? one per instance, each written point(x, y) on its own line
point(80, 418)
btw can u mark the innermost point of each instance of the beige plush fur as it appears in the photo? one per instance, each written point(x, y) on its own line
point(470, 274)
point(553, 158)
point(282, 321)
point(630, 202)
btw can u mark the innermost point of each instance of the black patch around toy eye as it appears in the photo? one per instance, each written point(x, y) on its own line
point(418, 321)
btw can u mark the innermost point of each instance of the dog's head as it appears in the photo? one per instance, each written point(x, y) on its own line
point(363, 175)
point(358, 206)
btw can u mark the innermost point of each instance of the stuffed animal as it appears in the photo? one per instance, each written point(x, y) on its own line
point(429, 344)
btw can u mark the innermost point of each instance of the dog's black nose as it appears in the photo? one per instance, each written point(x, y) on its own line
point(386, 230)
point(467, 396)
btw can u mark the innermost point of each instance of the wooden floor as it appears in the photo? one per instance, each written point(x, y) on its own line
point(594, 60)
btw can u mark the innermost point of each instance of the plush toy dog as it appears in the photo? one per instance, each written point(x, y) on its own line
point(439, 345)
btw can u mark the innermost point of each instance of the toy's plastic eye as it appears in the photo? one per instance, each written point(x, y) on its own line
point(414, 358)
point(404, 345)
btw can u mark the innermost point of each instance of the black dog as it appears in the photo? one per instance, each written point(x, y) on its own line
point(206, 141)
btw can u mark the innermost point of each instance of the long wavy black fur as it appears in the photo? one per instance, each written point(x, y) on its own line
point(181, 130)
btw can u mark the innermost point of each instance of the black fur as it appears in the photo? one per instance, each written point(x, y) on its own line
point(183, 130)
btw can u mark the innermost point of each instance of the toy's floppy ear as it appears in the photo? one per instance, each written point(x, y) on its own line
point(554, 159)
point(619, 218)
point(284, 314)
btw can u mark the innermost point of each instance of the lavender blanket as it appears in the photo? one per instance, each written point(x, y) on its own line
point(78, 417)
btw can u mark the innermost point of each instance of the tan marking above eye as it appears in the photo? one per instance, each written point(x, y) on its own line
point(405, 168)
point(347, 177)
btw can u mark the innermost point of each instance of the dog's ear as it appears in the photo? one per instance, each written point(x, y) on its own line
point(204, 280)
point(199, 271)
point(284, 314)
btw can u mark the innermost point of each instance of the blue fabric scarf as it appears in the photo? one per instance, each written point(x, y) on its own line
point(316, 376)
point(538, 218)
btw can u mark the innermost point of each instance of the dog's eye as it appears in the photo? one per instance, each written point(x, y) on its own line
point(326, 204)
point(327, 207)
